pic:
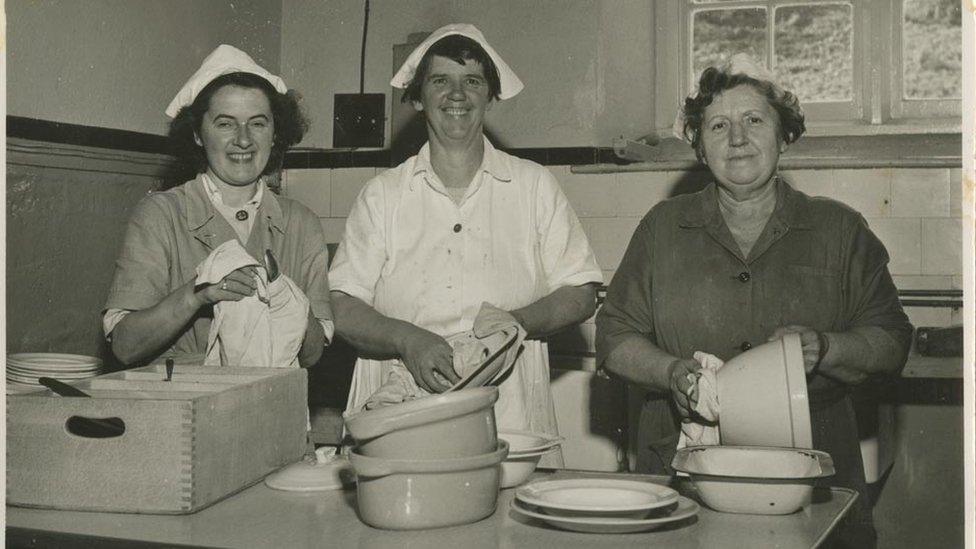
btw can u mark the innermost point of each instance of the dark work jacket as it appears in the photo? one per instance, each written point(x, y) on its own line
point(684, 284)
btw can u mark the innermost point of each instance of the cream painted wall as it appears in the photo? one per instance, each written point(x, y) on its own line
point(118, 63)
point(580, 60)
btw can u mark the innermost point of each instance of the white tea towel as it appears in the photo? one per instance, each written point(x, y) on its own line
point(265, 329)
point(493, 328)
point(694, 433)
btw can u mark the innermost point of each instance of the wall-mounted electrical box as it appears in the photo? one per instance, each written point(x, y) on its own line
point(358, 120)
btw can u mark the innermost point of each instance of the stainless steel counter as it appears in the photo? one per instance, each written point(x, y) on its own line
point(262, 517)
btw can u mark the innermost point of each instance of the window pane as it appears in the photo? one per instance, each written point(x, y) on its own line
point(932, 49)
point(718, 34)
point(814, 53)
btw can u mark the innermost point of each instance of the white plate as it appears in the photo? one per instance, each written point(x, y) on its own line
point(51, 366)
point(596, 496)
point(604, 525)
point(52, 358)
point(52, 373)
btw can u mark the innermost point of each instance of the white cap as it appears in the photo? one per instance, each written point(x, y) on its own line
point(223, 60)
point(740, 63)
point(510, 84)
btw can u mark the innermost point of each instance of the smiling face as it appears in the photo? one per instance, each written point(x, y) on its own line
point(455, 98)
point(741, 140)
point(237, 132)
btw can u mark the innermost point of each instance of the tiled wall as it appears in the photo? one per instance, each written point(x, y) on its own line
point(915, 212)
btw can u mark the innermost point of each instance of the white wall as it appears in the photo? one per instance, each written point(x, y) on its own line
point(118, 63)
point(586, 64)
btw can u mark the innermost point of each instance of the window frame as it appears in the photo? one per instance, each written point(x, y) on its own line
point(876, 107)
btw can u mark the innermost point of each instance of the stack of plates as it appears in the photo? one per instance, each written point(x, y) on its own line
point(601, 505)
point(23, 369)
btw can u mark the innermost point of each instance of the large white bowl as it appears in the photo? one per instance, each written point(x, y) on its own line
point(753, 479)
point(411, 494)
point(762, 396)
point(451, 425)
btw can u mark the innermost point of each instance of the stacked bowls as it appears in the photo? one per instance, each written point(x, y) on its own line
point(23, 369)
point(428, 462)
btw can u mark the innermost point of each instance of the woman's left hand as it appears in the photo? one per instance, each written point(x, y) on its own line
point(809, 339)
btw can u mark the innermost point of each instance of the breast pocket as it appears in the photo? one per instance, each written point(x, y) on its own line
point(811, 296)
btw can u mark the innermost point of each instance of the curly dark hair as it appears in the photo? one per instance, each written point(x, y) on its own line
point(290, 123)
point(714, 81)
point(460, 49)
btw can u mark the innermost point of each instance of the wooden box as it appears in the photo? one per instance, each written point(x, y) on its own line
point(187, 442)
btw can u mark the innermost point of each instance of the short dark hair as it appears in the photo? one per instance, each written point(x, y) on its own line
point(714, 81)
point(460, 49)
point(290, 124)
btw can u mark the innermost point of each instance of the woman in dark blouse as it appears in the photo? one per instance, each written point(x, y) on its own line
point(744, 261)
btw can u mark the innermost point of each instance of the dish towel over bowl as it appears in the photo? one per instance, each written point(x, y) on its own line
point(694, 433)
point(471, 349)
point(265, 329)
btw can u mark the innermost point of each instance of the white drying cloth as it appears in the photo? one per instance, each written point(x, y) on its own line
point(223, 60)
point(692, 432)
point(471, 349)
point(510, 84)
point(265, 329)
point(740, 63)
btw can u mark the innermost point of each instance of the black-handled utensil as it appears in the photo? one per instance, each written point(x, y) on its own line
point(84, 426)
point(271, 265)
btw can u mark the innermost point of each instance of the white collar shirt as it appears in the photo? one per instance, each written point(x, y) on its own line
point(415, 254)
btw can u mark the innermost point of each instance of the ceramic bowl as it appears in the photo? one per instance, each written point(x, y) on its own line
point(526, 449)
point(411, 494)
point(762, 394)
point(453, 425)
point(753, 479)
point(517, 468)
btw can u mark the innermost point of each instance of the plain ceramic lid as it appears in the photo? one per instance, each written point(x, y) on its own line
point(311, 475)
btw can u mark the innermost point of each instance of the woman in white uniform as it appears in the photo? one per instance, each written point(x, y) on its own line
point(458, 225)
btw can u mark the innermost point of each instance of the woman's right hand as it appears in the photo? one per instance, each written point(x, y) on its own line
point(430, 359)
point(234, 287)
point(682, 379)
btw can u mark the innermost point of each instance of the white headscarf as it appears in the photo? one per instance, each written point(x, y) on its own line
point(223, 60)
point(510, 84)
point(740, 63)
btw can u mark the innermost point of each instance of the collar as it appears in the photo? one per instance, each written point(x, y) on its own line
point(791, 208)
point(200, 210)
point(493, 162)
point(218, 198)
